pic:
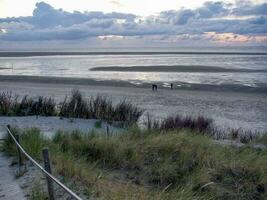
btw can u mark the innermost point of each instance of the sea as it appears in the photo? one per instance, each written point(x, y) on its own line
point(240, 68)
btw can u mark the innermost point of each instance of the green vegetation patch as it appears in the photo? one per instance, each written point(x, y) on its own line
point(153, 164)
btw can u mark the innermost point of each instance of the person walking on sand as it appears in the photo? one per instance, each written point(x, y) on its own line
point(154, 87)
point(171, 86)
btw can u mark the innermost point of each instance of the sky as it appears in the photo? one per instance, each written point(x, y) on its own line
point(85, 23)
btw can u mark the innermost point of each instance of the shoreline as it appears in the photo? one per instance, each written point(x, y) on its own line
point(81, 53)
point(61, 80)
point(178, 86)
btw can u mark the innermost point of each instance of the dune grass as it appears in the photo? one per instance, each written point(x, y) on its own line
point(199, 123)
point(30, 139)
point(75, 106)
point(10, 105)
point(204, 126)
point(99, 108)
point(152, 164)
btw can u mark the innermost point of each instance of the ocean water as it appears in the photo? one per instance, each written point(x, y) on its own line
point(251, 67)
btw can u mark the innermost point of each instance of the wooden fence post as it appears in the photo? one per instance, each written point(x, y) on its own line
point(48, 169)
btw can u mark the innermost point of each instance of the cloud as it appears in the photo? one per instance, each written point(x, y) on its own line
point(180, 17)
point(213, 9)
point(45, 16)
point(48, 23)
point(117, 3)
point(16, 26)
point(208, 10)
point(233, 38)
point(248, 8)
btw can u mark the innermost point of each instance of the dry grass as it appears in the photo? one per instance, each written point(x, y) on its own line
point(199, 124)
point(76, 106)
point(99, 108)
point(176, 164)
point(203, 126)
point(10, 105)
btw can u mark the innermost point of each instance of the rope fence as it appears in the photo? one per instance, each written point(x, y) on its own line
point(46, 170)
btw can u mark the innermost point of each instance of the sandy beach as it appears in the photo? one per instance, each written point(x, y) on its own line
point(227, 109)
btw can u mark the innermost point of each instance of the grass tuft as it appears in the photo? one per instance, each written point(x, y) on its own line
point(99, 108)
point(10, 105)
point(76, 106)
point(200, 124)
point(31, 140)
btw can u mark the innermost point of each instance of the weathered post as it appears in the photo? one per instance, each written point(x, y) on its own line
point(48, 169)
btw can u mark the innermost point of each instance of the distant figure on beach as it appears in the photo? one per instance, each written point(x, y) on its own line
point(154, 87)
point(171, 86)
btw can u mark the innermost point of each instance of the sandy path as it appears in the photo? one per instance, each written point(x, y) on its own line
point(49, 125)
point(229, 110)
point(9, 188)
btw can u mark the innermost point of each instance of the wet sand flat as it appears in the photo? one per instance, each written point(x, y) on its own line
point(176, 68)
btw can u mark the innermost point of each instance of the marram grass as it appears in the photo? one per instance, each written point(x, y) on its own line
point(176, 164)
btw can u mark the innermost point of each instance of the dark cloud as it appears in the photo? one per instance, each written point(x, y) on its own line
point(180, 17)
point(213, 9)
point(48, 23)
point(92, 28)
point(259, 20)
point(208, 10)
point(247, 8)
